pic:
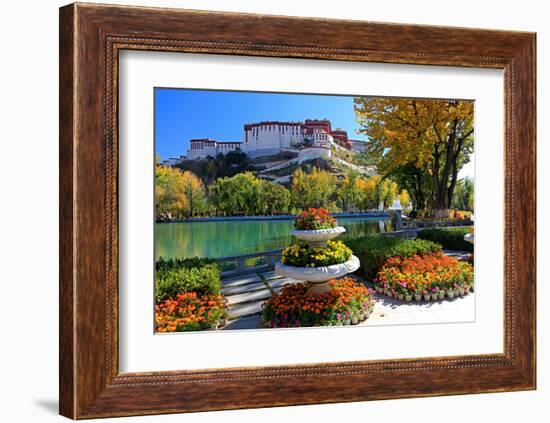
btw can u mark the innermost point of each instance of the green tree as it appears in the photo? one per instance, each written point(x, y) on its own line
point(463, 198)
point(417, 183)
point(275, 198)
point(237, 195)
point(212, 168)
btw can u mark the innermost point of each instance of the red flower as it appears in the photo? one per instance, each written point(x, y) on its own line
point(314, 218)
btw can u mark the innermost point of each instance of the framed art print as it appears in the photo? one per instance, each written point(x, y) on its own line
point(260, 211)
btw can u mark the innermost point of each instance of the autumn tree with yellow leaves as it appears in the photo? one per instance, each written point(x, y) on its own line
point(314, 189)
point(177, 193)
point(422, 144)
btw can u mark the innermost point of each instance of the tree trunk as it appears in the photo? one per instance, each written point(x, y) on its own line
point(443, 191)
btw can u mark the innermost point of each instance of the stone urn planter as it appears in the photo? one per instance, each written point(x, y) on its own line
point(469, 237)
point(318, 237)
point(318, 277)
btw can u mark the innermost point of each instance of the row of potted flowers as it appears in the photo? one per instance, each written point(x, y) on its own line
point(434, 294)
point(429, 277)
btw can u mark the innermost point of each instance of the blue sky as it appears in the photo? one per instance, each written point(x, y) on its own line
point(185, 114)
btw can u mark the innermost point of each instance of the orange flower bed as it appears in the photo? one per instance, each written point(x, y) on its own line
point(190, 311)
point(347, 301)
point(424, 274)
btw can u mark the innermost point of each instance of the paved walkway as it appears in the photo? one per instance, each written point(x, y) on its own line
point(390, 311)
point(245, 295)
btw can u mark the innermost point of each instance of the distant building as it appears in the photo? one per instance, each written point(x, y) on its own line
point(204, 147)
point(173, 161)
point(270, 137)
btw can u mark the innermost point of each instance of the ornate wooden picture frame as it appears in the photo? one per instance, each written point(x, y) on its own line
point(91, 37)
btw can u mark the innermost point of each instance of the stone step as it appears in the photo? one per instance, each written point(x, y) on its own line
point(246, 279)
point(246, 297)
point(255, 286)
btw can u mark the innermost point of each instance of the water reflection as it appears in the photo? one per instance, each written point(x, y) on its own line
point(229, 238)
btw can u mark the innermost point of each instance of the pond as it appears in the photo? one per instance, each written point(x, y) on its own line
point(235, 237)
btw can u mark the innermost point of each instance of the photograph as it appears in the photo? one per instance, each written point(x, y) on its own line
point(291, 210)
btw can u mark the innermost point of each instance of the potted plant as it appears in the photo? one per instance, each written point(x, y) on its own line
point(450, 293)
point(426, 295)
point(316, 226)
point(435, 293)
point(441, 293)
point(418, 295)
point(347, 318)
point(317, 265)
point(377, 285)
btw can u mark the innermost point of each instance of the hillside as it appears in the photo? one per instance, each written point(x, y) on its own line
point(336, 162)
point(279, 167)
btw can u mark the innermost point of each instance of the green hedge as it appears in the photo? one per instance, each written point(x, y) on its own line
point(373, 251)
point(175, 276)
point(449, 238)
point(177, 263)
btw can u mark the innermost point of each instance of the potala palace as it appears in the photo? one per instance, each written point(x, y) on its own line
point(272, 137)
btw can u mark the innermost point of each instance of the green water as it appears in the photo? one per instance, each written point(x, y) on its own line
point(231, 238)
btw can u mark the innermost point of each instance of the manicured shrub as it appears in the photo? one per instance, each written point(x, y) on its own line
point(449, 238)
point(347, 302)
point(190, 311)
point(303, 255)
point(373, 251)
point(178, 276)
